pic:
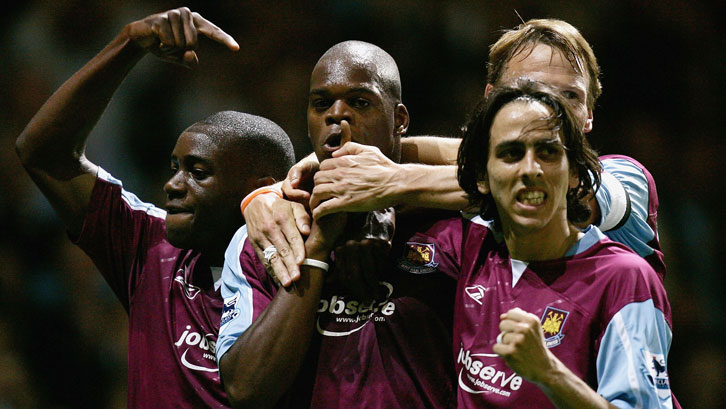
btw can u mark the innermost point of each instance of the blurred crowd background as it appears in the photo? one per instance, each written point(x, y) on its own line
point(63, 334)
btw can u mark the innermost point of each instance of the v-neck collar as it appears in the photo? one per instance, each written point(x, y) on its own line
point(592, 235)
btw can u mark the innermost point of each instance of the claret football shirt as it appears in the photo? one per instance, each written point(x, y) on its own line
point(169, 294)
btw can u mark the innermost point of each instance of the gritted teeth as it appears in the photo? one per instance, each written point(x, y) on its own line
point(531, 197)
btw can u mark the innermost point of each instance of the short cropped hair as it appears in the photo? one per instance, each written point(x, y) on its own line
point(557, 34)
point(252, 135)
point(381, 64)
point(474, 150)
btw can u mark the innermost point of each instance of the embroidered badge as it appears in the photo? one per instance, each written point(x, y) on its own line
point(418, 258)
point(552, 321)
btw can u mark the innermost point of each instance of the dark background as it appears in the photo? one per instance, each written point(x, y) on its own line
point(62, 332)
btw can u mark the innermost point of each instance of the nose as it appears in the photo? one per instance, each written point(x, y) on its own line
point(175, 186)
point(531, 167)
point(339, 111)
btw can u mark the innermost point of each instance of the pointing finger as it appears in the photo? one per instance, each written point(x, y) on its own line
point(210, 30)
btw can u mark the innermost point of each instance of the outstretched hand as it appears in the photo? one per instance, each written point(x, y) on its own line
point(173, 35)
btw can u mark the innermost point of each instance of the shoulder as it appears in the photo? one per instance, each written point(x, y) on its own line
point(632, 175)
point(619, 260)
point(108, 189)
point(623, 161)
point(240, 262)
point(624, 275)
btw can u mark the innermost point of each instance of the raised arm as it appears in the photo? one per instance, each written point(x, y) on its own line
point(264, 360)
point(52, 145)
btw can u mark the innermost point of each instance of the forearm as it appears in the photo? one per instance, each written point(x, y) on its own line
point(431, 187)
point(263, 363)
point(54, 140)
point(430, 150)
point(567, 391)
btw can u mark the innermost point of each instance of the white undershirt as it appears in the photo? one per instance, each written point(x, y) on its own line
point(217, 277)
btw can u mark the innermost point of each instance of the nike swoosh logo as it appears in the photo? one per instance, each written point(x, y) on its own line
point(195, 367)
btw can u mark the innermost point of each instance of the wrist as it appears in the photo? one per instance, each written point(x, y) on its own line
point(312, 262)
point(409, 178)
point(552, 374)
point(272, 189)
point(319, 254)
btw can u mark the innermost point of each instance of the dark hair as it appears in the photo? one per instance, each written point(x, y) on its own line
point(474, 149)
point(246, 133)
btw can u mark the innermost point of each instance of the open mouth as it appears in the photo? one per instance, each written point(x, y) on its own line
point(332, 142)
point(531, 197)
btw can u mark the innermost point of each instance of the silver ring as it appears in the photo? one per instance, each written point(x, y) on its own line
point(268, 252)
point(500, 337)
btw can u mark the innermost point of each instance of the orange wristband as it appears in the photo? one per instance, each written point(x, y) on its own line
point(260, 191)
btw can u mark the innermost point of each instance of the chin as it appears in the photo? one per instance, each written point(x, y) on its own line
point(179, 238)
point(528, 224)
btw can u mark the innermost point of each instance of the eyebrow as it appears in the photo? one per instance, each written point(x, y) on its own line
point(537, 144)
point(358, 90)
point(193, 159)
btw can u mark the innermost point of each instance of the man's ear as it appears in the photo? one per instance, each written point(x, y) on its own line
point(265, 181)
point(401, 119)
point(483, 186)
point(588, 122)
point(488, 90)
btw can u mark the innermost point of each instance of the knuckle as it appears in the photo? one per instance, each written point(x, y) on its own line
point(266, 229)
point(279, 219)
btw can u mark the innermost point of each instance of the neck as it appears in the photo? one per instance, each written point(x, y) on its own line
point(548, 243)
point(212, 258)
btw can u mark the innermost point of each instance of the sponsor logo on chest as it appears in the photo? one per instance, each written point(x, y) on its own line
point(486, 373)
point(198, 350)
point(339, 316)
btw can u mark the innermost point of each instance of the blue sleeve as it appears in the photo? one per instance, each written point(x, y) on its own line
point(623, 200)
point(632, 359)
point(237, 294)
